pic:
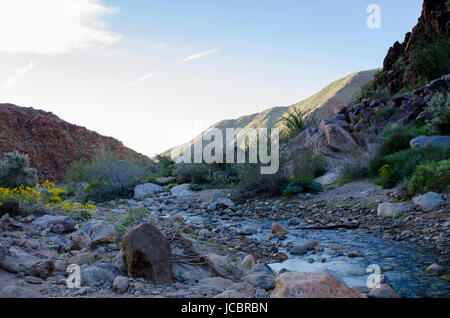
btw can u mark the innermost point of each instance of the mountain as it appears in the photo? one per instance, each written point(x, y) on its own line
point(52, 143)
point(322, 105)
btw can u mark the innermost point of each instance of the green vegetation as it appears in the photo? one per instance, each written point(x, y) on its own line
point(353, 172)
point(302, 185)
point(15, 171)
point(431, 176)
point(440, 109)
point(392, 169)
point(295, 122)
point(433, 60)
point(374, 89)
point(383, 114)
point(397, 138)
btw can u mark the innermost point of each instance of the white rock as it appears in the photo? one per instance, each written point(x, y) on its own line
point(149, 189)
point(393, 209)
point(227, 203)
point(429, 201)
point(328, 178)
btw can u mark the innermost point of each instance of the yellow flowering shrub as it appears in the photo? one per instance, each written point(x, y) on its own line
point(46, 195)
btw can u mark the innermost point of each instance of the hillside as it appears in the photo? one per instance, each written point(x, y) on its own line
point(342, 91)
point(51, 142)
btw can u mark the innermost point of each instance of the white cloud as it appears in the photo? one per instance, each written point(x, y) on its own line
point(54, 26)
point(200, 55)
point(140, 79)
point(16, 76)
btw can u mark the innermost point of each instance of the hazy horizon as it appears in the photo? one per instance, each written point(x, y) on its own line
point(155, 74)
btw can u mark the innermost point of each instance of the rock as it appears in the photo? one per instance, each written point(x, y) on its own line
point(393, 209)
point(262, 280)
point(304, 248)
point(120, 261)
point(436, 269)
point(248, 262)
point(181, 191)
point(339, 140)
point(248, 231)
point(329, 178)
point(422, 141)
point(439, 84)
point(15, 260)
point(149, 202)
point(15, 291)
point(262, 268)
point(429, 201)
point(217, 283)
point(100, 232)
point(280, 257)
point(212, 207)
point(400, 98)
point(278, 229)
point(231, 294)
point(83, 258)
point(121, 284)
point(385, 291)
point(354, 255)
point(147, 254)
point(147, 190)
point(340, 109)
point(166, 181)
point(57, 224)
point(33, 280)
point(80, 240)
point(312, 285)
point(205, 234)
point(226, 203)
point(186, 272)
point(11, 208)
point(294, 221)
point(99, 274)
point(208, 196)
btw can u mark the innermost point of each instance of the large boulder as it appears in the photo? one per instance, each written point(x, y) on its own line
point(100, 232)
point(329, 178)
point(312, 285)
point(57, 224)
point(393, 209)
point(147, 190)
point(15, 291)
point(422, 141)
point(147, 254)
point(428, 201)
point(99, 274)
point(181, 190)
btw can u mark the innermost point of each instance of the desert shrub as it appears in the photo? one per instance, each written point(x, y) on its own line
point(307, 164)
point(193, 173)
point(355, 171)
point(383, 114)
point(195, 187)
point(15, 171)
point(396, 138)
point(440, 109)
point(107, 177)
point(302, 185)
point(431, 176)
point(374, 89)
point(392, 169)
point(295, 122)
point(166, 165)
point(433, 60)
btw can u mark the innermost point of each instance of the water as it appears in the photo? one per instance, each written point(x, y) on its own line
point(402, 262)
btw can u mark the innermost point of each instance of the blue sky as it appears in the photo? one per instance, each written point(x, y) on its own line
point(119, 70)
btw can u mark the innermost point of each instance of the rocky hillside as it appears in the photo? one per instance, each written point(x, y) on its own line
point(433, 28)
point(51, 142)
point(322, 104)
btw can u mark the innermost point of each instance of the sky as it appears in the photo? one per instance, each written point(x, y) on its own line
point(155, 73)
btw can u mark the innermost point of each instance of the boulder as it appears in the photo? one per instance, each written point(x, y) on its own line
point(83, 258)
point(100, 232)
point(231, 294)
point(248, 262)
point(338, 139)
point(261, 280)
point(147, 254)
point(181, 190)
point(57, 224)
point(304, 248)
point(312, 285)
point(428, 201)
point(15, 260)
point(99, 274)
point(80, 240)
point(147, 190)
point(278, 229)
point(393, 209)
point(385, 291)
point(121, 284)
point(328, 179)
point(166, 181)
point(436, 269)
point(226, 203)
point(438, 141)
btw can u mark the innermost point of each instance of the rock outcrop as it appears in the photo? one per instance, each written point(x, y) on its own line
point(52, 143)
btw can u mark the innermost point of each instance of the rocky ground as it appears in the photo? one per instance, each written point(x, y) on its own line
point(220, 248)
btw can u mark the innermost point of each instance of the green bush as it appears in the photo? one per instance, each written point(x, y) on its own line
point(307, 164)
point(193, 173)
point(433, 60)
point(353, 172)
point(397, 138)
point(440, 109)
point(392, 169)
point(166, 165)
point(195, 187)
point(302, 185)
point(295, 122)
point(384, 114)
point(431, 176)
point(15, 171)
